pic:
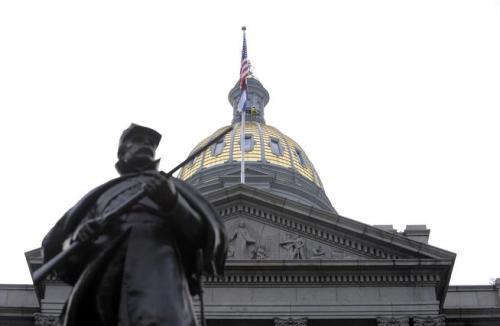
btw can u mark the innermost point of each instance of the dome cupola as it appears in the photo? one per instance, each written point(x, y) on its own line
point(273, 161)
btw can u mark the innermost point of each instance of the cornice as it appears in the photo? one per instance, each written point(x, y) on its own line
point(298, 279)
point(332, 273)
point(469, 288)
point(18, 311)
point(467, 313)
point(16, 287)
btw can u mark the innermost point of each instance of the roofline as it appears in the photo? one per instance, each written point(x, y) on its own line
point(290, 207)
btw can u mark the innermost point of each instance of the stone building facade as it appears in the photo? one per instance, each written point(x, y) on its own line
point(292, 260)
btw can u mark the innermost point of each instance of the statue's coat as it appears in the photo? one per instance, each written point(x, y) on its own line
point(140, 270)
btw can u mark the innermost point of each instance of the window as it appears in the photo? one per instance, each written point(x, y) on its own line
point(218, 147)
point(300, 156)
point(248, 143)
point(275, 146)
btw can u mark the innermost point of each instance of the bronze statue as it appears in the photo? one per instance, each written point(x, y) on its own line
point(139, 264)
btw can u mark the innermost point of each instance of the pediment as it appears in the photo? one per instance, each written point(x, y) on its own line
point(34, 258)
point(34, 255)
point(275, 223)
point(252, 239)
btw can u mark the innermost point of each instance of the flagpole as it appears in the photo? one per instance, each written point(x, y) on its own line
point(242, 145)
point(242, 128)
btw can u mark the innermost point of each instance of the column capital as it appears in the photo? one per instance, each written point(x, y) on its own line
point(290, 321)
point(393, 321)
point(429, 320)
point(44, 320)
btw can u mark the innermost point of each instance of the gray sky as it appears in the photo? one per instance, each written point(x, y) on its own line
point(396, 104)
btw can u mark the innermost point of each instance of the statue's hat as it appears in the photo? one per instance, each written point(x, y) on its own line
point(135, 129)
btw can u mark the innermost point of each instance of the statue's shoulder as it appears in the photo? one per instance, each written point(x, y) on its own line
point(93, 194)
point(78, 211)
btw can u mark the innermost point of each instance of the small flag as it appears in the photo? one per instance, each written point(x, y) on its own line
point(244, 72)
point(242, 101)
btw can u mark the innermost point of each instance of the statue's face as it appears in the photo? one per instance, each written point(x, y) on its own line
point(138, 151)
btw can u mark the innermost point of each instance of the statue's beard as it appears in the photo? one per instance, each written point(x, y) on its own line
point(136, 165)
point(141, 159)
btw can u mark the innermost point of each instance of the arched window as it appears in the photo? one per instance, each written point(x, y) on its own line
point(300, 156)
point(218, 147)
point(275, 146)
point(249, 142)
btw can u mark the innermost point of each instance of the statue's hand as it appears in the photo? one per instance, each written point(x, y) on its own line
point(162, 191)
point(86, 231)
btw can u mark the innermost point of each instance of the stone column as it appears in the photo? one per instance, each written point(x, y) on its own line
point(393, 321)
point(429, 321)
point(290, 322)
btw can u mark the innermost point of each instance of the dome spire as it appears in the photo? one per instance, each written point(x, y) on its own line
point(256, 95)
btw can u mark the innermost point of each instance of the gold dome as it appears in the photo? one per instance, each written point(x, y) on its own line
point(265, 145)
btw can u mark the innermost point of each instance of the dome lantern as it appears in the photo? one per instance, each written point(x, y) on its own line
point(257, 99)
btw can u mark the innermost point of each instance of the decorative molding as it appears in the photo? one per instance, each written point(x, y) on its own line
point(290, 322)
point(429, 320)
point(44, 320)
point(393, 321)
point(304, 228)
point(297, 278)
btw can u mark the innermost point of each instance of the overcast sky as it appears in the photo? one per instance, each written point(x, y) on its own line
point(396, 103)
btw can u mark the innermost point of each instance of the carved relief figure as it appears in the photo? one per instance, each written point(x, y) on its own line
point(260, 252)
point(242, 242)
point(295, 247)
point(230, 252)
point(318, 252)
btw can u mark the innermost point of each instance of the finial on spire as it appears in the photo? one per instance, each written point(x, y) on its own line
point(243, 28)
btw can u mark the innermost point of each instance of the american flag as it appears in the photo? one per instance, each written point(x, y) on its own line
point(244, 72)
point(245, 65)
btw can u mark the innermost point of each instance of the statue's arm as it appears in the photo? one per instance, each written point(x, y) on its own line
point(181, 214)
point(52, 243)
point(186, 220)
point(194, 219)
